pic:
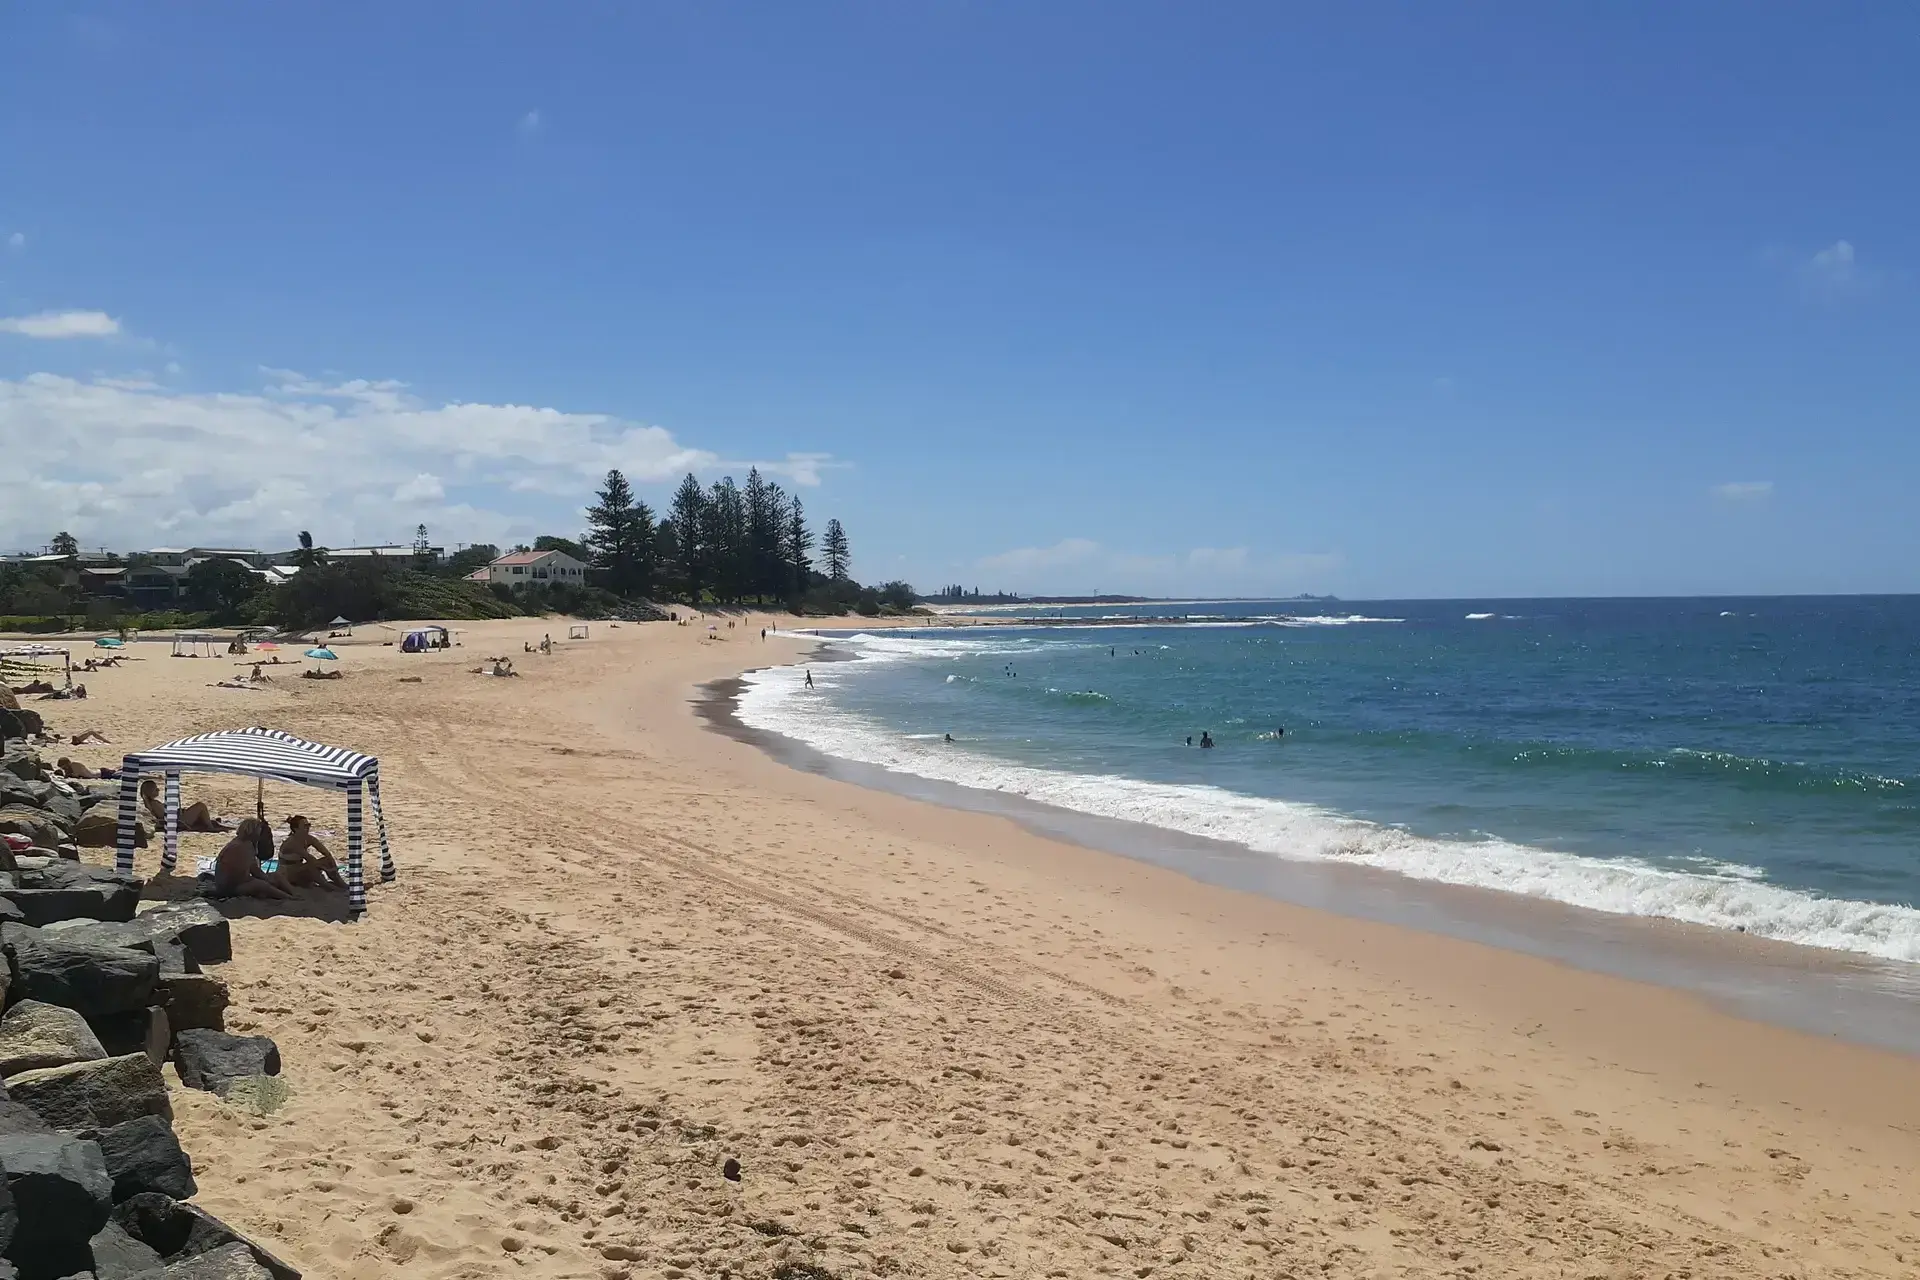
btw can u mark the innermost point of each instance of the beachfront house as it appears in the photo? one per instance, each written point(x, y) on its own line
point(520, 567)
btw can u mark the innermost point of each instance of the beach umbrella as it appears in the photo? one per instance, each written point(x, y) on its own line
point(322, 655)
point(108, 642)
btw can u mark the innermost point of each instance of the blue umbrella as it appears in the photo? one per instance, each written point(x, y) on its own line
point(324, 655)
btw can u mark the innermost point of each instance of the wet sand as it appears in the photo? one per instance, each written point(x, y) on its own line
point(624, 949)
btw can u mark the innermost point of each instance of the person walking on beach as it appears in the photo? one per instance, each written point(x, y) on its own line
point(809, 677)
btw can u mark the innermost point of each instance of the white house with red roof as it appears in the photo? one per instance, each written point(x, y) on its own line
point(521, 567)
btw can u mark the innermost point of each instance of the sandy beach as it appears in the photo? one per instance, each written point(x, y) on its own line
point(624, 949)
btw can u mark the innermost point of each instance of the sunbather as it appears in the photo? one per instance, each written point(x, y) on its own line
point(90, 735)
point(193, 817)
point(236, 869)
point(304, 860)
point(74, 769)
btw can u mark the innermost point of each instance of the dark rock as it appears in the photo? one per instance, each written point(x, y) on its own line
point(94, 902)
point(70, 873)
point(179, 1231)
point(212, 1060)
point(94, 1095)
point(175, 960)
point(15, 1118)
point(228, 1262)
point(35, 824)
point(118, 1256)
point(59, 805)
point(30, 792)
point(99, 828)
point(35, 1035)
point(730, 1170)
point(96, 981)
point(145, 1031)
point(63, 1196)
point(144, 1155)
point(196, 925)
point(22, 763)
point(194, 1001)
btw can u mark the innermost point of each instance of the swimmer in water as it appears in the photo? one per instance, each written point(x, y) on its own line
point(1206, 740)
point(949, 737)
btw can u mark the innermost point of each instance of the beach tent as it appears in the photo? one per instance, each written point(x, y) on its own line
point(421, 639)
point(258, 753)
point(186, 644)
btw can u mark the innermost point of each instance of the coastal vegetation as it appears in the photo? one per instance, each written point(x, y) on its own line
point(724, 544)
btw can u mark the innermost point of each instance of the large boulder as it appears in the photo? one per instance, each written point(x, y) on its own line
point(36, 825)
point(30, 792)
point(181, 1231)
point(118, 1256)
point(35, 1035)
point(99, 828)
point(194, 1001)
point(144, 1155)
point(23, 763)
point(94, 1095)
point(145, 1031)
point(39, 907)
point(213, 1060)
point(95, 981)
point(15, 1118)
point(228, 1262)
point(196, 925)
point(62, 806)
point(62, 1194)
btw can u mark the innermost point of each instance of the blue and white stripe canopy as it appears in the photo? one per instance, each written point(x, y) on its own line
point(257, 753)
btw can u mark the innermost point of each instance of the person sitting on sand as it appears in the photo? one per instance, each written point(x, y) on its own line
point(193, 817)
point(306, 861)
point(236, 868)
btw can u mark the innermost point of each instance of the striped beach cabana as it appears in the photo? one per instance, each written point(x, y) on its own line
point(258, 753)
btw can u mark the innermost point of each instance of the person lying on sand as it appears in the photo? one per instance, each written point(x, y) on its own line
point(306, 861)
point(193, 817)
point(82, 738)
point(74, 769)
point(236, 868)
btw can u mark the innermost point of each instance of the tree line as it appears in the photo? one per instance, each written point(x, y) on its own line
point(727, 544)
point(722, 544)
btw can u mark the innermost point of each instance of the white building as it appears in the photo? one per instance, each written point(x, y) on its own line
point(533, 566)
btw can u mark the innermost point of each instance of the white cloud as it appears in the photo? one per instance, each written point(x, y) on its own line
point(1083, 566)
point(129, 462)
point(18, 240)
point(529, 124)
point(1837, 272)
point(62, 324)
point(422, 488)
point(1744, 491)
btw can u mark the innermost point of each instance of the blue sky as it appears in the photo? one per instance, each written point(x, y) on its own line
point(1384, 301)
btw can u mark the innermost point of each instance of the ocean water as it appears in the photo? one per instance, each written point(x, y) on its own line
point(1750, 764)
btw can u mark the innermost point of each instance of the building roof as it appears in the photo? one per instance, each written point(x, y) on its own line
point(478, 575)
point(531, 557)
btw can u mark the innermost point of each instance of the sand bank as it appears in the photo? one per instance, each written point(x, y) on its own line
point(624, 949)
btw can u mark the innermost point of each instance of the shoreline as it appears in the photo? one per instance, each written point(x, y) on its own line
point(624, 948)
point(1809, 989)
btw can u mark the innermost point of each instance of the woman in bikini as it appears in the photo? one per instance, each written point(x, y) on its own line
point(193, 817)
point(306, 861)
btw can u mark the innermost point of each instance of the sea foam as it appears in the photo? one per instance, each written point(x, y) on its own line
point(1721, 895)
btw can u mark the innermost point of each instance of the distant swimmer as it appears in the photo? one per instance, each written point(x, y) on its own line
point(1206, 740)
point(1189, 739)
point(949, 737)
point(809, 677)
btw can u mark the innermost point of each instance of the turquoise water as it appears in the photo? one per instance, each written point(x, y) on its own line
point(1748, 764)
